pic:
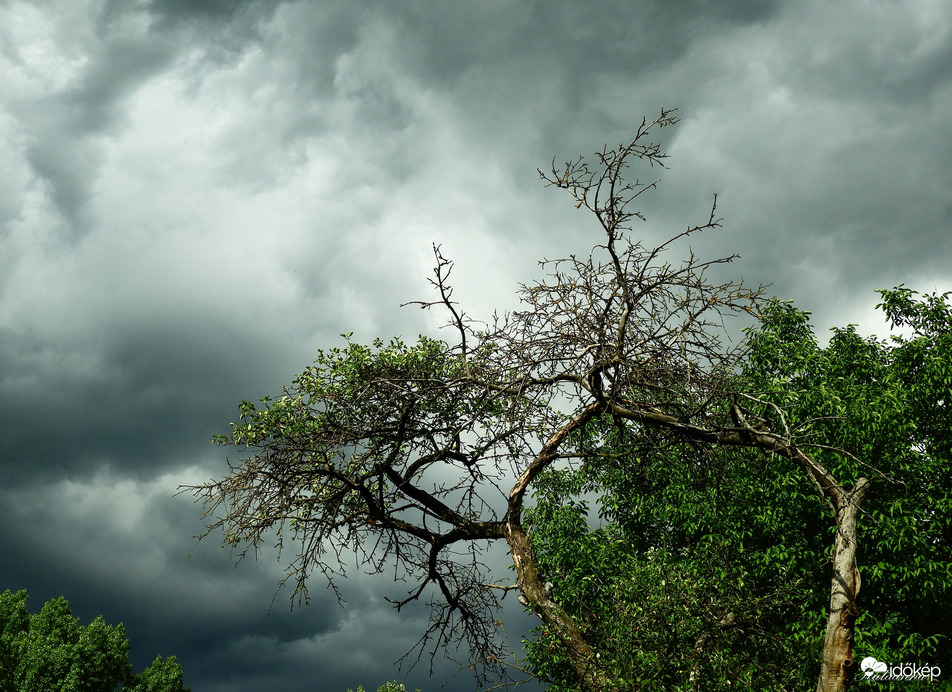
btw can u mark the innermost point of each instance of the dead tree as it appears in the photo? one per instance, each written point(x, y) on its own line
point(414, 458)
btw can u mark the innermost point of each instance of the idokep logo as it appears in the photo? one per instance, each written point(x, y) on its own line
point(877, 671)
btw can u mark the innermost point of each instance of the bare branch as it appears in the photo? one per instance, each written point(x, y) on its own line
point(402, 455)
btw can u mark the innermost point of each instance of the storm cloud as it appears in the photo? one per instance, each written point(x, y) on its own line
point(195, 196)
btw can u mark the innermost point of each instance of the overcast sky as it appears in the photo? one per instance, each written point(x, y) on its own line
point(195, 195)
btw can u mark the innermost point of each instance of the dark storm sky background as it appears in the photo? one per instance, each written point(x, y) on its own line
point(196, 195)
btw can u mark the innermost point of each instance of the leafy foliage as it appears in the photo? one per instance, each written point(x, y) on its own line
point(886, 403)
point(51, 651)
point(391, 686)
point(722, 559)
point(682, 580)
point(615, 376)
point(161, 676)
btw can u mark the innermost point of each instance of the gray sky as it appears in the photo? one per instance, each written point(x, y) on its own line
point(195, 196)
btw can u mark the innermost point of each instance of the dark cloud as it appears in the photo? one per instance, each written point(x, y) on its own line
point(127, 47)
point(194, 196)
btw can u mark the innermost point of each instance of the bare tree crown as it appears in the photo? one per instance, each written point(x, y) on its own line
point(414, 457)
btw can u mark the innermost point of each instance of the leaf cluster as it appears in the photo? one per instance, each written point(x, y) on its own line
point(674, 563)
point(50, 651)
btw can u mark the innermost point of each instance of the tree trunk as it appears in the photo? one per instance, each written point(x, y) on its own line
point(591, 674)
point(838, 666)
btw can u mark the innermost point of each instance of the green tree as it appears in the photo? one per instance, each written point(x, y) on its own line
point(391, 686)
point(161, 676)
point(57, 653)
point(51, 651)
point(707, 576)
point(884, 405)
point(416, 457)
point(14, 619)
point(673, 583)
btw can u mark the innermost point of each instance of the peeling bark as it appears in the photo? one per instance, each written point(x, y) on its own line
point(838, 665)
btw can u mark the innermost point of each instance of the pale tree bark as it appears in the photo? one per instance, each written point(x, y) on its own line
point(838, 665)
